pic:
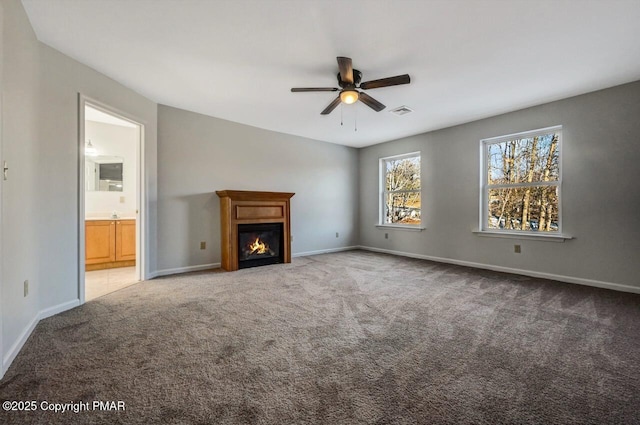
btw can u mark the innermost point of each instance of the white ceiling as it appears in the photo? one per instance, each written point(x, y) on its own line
point(238, 59)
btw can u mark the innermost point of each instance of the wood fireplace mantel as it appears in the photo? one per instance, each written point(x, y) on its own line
point(247, 207)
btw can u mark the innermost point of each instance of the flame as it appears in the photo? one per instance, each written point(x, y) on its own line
point(258, 247)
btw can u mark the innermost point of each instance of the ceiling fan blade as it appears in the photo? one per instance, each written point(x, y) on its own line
point(302, 89)
point(331, 106)
point(346, 69)
point(386, 82)
point(371, 102)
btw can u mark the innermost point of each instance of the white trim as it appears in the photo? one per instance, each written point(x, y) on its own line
point(187, 269)
point(382, 176)
point(534, 236)
point(401, 156)
point(26, 333)
point(110, 110)
point(43, 314)
point(414, 228)
point(524, 184)
point(81, 199)
point(324, 251)
point(141, 205)
point(404, 191)
point(178, 270)
point(522, 134)
point(485, 187)
point(141, 197)
point(17, 346)
point(52, 311)
point(542, 275)
point(2, 368)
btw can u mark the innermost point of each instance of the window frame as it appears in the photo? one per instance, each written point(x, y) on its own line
point(485, 187)
point(382, 176)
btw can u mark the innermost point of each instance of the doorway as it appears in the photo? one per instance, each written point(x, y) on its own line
point(110, 200)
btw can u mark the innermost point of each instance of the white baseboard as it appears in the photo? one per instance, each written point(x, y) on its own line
point(48, 312)
point(51, 311)
point(178, 270)
point(561, 278)
point(26, 333)
point(17, 346)
point(324, 251)
point(187, 269)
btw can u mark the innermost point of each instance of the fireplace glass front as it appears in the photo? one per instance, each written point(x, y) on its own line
point(259, 244)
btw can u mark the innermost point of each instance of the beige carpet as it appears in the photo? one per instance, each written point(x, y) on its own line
point(346, 338)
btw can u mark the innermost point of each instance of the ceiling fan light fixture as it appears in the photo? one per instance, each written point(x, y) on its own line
point(349, 81)
point(349, 96)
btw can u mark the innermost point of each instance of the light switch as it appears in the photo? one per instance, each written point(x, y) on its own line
point(5, 170)
point(122, 199)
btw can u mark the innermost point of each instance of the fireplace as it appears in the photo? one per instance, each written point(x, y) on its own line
point(259, 244)
point(249, 220)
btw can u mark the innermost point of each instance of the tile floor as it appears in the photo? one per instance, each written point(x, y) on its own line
point(101, 282)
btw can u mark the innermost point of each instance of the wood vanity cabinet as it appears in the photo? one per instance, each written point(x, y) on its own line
point(125, 240)
point(110, 244)
point(100, 241)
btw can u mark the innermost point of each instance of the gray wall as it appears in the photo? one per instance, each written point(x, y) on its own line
point(198, 155)
point(40, 89)
point(20, 193)
point(62, 78)
point(600, 191)
point(189, 156)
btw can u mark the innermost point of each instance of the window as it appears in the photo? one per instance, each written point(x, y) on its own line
point(400, 190)
point(521, 182)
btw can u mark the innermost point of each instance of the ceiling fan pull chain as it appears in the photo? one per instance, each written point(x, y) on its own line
point(355, 124)
point(341, 114)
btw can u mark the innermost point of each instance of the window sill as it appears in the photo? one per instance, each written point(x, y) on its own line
point(400, 227)
point(524, 235)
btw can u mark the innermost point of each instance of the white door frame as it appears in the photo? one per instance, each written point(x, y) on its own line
point(2, 365)
point(140, 192)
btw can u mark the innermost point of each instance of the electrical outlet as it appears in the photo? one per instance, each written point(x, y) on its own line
point(516, 249)
point(203, 245)
point(386, 236)
point(26, 288)
point(337, 235)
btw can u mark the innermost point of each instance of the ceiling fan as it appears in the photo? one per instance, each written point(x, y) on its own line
point(349, 80)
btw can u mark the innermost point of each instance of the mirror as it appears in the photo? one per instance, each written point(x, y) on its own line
point(103, 173)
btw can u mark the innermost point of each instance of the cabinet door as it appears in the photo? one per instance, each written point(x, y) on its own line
point(99, 239)
point(125, 240)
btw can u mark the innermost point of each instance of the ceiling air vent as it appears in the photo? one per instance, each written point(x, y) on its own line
point(401, 110)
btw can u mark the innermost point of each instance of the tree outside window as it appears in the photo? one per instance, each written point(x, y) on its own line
point(401, 198)
point(521, 182)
